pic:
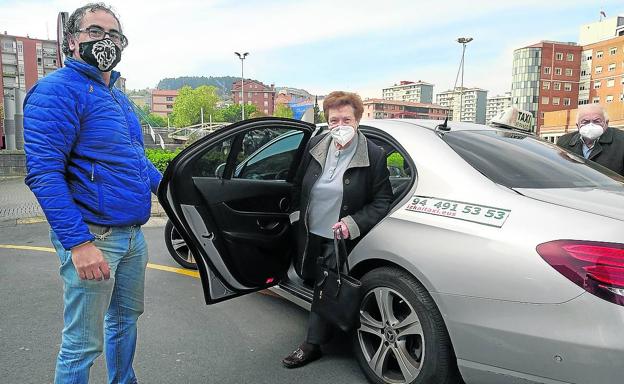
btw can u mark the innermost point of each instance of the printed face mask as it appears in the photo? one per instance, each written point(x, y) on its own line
point(591, 131)
point(102, 54)
point(342, 134)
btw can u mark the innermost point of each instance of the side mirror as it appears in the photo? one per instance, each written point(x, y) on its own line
point(219, 170)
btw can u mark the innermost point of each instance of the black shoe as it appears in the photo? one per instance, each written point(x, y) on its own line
point(306, 353)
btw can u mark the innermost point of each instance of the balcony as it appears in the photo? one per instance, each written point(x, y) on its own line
point(9, 73)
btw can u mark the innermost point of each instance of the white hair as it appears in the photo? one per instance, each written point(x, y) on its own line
point(590, 107)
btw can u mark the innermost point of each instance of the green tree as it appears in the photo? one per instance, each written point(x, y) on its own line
point(157, 120)
point(232, 113)
point(189, 103)
point(282, 110)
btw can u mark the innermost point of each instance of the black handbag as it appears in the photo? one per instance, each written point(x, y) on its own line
point(337, 295)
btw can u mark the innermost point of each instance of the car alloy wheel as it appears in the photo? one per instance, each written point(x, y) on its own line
point(177, 247)
point(402, 338)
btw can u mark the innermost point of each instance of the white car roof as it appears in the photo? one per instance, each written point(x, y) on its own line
point(390, 125)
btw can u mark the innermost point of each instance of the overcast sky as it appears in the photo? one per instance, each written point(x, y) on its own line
point(324, 45)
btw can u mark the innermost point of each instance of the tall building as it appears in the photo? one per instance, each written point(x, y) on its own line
point(601, 81)
point(606, 67)
point(162, 102)
point(415, 92)
point(394, 109)
point(23, 61)
point(467, 104)
point(256, 93)
point(496, 105)
point(545, 78)
point(601, 30)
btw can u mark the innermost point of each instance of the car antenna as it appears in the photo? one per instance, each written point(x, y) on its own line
point(444, 126)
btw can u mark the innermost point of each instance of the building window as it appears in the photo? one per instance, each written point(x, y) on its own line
point(266, 103)
point(169, 98)
point(249, 95)
point(611, 67)
point(568, 72)
point(596, 100)
point(266, 111)
point(582, 87)
point(546, 70)
point(266, 95)
point(599, 54)
point(546, 85)
point(588, 58)
point(610, 82)
point(545, 100)
point(559, 56)
point(555, 101)
point(169, 106)
point(566, 101)
point(557, 71)
point(570, 57)
point(598, 70)
point(583, 73)
point(557, 86)
point(567, 87)
point(612, 50)
point(596, 84)
point(609, 99)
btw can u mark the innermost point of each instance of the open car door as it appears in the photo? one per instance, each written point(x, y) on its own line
point(229, 197)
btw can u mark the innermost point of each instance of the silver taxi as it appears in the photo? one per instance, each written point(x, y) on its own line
point(501, 260)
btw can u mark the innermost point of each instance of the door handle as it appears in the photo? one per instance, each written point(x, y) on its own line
point(267, 226)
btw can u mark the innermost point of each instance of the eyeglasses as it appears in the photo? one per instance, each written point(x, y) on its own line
point(98, 33)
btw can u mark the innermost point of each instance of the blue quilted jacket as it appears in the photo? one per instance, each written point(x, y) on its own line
point(84, 153)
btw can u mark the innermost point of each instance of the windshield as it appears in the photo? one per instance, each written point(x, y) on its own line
point(516, 160)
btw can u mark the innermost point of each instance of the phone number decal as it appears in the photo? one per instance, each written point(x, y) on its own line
point(480, 214)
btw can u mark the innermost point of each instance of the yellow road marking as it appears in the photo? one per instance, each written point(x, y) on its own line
point(159, 267)
point(28, 248)
point(165, 268)
point(181, 271)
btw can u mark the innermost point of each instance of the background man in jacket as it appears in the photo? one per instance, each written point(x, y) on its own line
point(595, 140)
point(87, 168)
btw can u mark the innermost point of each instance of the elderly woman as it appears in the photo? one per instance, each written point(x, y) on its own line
point(342, 183)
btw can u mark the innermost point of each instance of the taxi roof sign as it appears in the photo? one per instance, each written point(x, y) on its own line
point(515, 119)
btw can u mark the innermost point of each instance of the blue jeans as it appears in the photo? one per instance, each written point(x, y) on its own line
point(94, 309)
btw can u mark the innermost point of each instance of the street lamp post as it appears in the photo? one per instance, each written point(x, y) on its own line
point(242, 59)
point(463, 41)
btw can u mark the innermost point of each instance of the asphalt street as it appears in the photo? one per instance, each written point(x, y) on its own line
point(181, 340)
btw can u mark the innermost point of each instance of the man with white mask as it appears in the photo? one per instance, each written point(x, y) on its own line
point(343, 182)
point(595, 140)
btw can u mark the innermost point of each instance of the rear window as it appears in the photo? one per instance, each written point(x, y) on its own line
point(516, 160)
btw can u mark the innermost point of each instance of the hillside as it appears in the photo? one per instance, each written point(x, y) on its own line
point(223, 83)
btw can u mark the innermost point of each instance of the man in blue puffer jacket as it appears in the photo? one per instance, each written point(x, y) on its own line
point(87, 167)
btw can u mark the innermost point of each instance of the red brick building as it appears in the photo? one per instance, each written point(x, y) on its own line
point(394, 109)
point(256, 93)
point(546, 78)
point(23, 61)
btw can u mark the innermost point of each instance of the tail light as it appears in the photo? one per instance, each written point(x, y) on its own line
point(594, 266)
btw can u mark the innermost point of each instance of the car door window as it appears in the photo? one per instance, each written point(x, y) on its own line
point(268, 154)
point(212, 162)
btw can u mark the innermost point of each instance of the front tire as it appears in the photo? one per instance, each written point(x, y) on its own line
point(402, 338)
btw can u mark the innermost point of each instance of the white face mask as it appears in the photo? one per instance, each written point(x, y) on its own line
point(591, 131)
point(342, 134)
